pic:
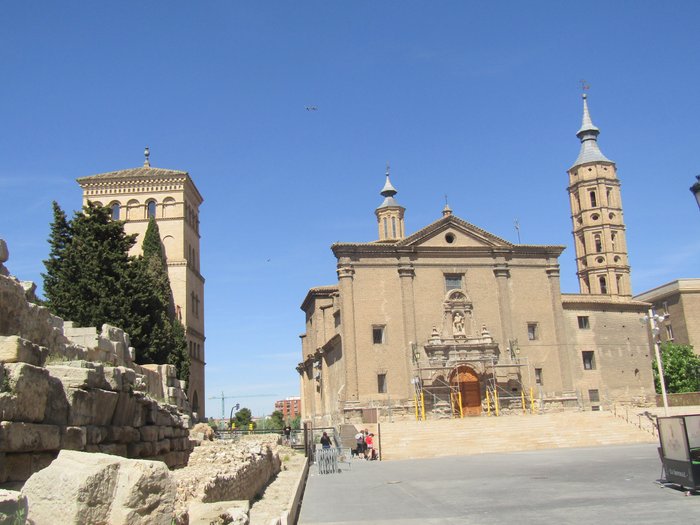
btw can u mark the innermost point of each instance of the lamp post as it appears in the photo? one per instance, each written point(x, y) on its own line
point(695, 190)
point(653, 320)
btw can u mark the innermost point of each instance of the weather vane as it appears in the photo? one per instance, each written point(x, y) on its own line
point(584, 86)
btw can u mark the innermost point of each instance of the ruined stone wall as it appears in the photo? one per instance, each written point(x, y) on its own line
point(63, 387)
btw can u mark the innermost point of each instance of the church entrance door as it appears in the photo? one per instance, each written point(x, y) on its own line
point(466, 381)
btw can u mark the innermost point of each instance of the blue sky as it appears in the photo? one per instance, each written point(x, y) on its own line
point(476, 100)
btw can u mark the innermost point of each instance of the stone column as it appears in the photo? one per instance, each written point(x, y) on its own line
point(502, 274)
point(565, 362)
point(346, 275)
point(408, 308)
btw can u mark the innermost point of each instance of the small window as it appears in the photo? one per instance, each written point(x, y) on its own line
point(583, 322)
point(449, 238)
point(151, 209)
point(664, 305)
point(453, 282)
point(588, 360)
point(594, 200)
point(669, 332)
point(598, 243)
point(618, 283)
point(378, 333)
point(594, 396)
point(532, 331)
point(393, 227)
point(603, 284)
point(595, 216)
point(386, 228)
point(115, 211)
point(381, 383)
point(336, 319)
point(538, 376)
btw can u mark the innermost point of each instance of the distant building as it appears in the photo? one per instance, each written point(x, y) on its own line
point(136, 194)
point(680, 301)
point(290, 407)
point(457, 316)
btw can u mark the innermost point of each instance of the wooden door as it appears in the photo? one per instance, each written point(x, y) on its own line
point(466, 380)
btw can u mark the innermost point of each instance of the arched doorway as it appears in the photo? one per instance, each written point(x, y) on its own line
point(195, 402)
point(466, 381)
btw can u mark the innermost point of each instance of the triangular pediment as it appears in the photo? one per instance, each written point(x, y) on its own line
point(451, 231)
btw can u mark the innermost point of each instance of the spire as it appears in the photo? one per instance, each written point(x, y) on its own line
point(388, 192)
point(446, 210)
point(147, 154)
point(588, 134)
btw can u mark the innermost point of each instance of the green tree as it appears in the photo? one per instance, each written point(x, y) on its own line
point(277, 420)
point(243, 418)
point(55, 287)
point(89, 267)
point(681, 369)
point(295, 423)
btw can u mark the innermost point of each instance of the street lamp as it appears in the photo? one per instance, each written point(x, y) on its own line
point(695, 190)
point(653, 319)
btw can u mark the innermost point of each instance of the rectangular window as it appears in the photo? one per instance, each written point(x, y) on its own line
point(378, 335)
point(583, 323)
point(381, 383)
point(588, 360)
point(664, 305)
point(669, 332)
point(336, 319)
point(453, 282)
point(538, 376)
point(532, 331)
point(594, 396)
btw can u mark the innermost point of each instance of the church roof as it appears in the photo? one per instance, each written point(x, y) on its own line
point(316, 291)
point(571, 301)
point(142, 172)
point(481, 239)
point(588, 134)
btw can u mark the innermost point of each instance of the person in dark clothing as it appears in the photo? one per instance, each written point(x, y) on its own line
point(325, 441)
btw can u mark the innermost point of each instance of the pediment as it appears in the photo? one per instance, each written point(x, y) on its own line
point(451, 232)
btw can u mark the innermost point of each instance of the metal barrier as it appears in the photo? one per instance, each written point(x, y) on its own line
point(327, 460)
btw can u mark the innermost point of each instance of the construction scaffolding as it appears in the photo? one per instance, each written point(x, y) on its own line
point(442, 397)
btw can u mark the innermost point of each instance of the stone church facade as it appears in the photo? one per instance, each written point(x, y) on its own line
point(457, 317)
point(172, 199)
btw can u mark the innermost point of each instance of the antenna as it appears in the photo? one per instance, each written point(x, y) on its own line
point(516, 224)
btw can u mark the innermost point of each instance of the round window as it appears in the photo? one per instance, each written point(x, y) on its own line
point(450, 238)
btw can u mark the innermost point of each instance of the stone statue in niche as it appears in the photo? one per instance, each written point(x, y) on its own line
point(458, 323)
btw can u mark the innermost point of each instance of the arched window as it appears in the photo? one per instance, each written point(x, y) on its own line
point(612, 240)
point(131, 209)
point(168, 207)
point(386, 229)
point(603, 284)
point(598, 243)
point(115, 211)
point(151, 209)
point(594, 200)
point(618, 279)
point(393, 227)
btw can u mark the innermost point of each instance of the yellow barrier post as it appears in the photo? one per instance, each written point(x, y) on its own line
point(495, 401)
point(532, 401)
point(415, 402)
point(452, 404)
point(422, 405)
point(461, 411)
point(488, 403)
point(522, 397)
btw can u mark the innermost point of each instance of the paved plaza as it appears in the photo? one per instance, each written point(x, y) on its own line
point(612, 485)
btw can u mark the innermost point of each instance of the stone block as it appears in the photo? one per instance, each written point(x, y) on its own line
point(26, 393)
point(91, 407)
point(12, 504)
point(56, 412)
point(77, 377)
point(149, 433)
point(128, 378)
point(130, 435)
point(3, 468)
point(127, 410)
point(95, 435)
point(142, 449)
point(73, 438)
point(14, 349)
point(162, 447)
point(113, 378)
point(114, 449)
point(165, 432)
point(28, 437)
point(22, 465)
point(99, 488)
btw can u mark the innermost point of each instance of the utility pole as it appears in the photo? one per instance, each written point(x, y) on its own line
point(654, 327)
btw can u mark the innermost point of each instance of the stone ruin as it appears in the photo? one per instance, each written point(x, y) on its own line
point(69, 388)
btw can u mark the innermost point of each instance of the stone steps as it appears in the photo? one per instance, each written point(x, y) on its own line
point(480, 435)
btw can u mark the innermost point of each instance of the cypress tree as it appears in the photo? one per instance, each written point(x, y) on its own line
point(54, 284)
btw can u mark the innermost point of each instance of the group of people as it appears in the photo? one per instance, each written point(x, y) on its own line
point(365, 445)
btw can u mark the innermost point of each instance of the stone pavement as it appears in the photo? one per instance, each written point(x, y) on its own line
point(612, 484)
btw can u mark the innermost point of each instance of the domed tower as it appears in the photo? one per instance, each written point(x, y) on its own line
point(596, 211)
point(390, 214)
